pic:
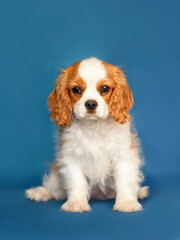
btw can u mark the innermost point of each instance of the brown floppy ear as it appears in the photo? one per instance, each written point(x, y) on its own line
point(59, 102)
point(121, 99)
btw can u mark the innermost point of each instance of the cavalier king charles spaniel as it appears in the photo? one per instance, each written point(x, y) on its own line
point(98, 154)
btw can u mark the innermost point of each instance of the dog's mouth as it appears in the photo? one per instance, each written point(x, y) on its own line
point(91, 111)
point(91, 115)
point(86, 116)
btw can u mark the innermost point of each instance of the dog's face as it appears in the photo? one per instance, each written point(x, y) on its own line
point(90, 89)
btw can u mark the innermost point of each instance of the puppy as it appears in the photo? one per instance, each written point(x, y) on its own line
point(98, 156)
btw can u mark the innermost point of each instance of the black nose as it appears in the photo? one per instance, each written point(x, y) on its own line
point(91, 104)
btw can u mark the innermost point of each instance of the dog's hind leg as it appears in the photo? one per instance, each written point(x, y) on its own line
point(52, 188)
point(143, 192)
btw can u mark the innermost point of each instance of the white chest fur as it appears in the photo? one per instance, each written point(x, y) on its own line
point(95, 145)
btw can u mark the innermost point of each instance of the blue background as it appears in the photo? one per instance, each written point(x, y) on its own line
point(40, 37)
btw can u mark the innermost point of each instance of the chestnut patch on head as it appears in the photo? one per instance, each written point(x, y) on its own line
point(105, 88)
point(68, 89)
point(76, 89)
point(121, 98)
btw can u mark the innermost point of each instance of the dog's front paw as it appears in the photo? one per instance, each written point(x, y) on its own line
point(127, 206)
point(76, 206)
point(38, 194)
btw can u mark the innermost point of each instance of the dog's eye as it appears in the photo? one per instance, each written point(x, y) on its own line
point(77, 90)
point(104, 89)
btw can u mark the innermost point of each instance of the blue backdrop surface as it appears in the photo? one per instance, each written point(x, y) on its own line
point(40, 37)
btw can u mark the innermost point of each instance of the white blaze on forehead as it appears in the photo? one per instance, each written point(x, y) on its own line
point(92, 70)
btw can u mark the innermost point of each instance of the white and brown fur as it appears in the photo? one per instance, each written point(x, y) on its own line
point(98, 157)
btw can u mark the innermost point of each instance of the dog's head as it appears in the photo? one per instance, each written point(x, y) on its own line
point(90, 89)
